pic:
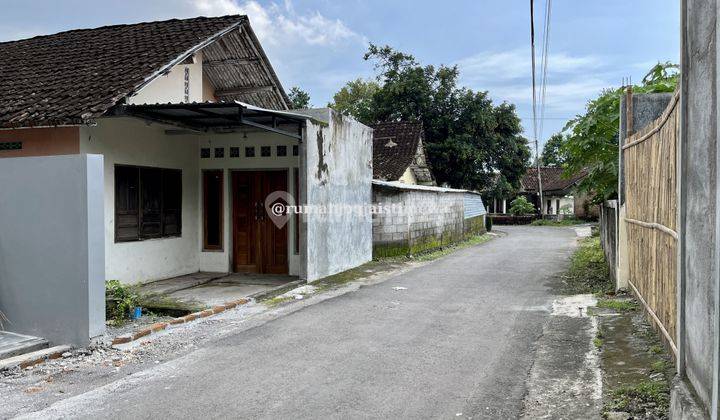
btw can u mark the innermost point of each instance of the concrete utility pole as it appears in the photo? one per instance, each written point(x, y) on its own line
point(534, 106)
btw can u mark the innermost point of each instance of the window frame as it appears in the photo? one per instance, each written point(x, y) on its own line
point(205, 200)
point(140, 236)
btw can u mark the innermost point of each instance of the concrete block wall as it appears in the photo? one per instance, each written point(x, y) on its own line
point(428, 219)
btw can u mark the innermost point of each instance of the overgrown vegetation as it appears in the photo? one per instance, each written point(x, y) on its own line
point(566, 221)
point(618, 305)
point(649, 399)
point(588, 272)
point(120, 301)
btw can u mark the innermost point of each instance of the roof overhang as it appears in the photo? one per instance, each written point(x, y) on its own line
point(217, 117)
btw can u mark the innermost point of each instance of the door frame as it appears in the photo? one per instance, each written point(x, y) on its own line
point(231, 202)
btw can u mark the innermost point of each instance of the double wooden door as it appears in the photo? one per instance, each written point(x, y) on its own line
point(259, 246)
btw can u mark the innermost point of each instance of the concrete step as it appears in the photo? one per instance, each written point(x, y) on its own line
point(12, 344)
point(33, 358)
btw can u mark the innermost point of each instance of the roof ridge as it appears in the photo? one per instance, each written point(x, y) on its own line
point(117, 25)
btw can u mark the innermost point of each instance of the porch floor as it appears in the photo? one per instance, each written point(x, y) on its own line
point(202, 290)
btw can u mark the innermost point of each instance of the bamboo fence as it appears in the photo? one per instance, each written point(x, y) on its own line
point(651, 206)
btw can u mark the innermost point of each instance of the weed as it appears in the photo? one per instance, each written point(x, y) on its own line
point(277, 300)
point(598, 342)
point(659, 366)
point(656, 349)
point(618, 305)
point(646, 398)
point(588, 272)
point(121, 300)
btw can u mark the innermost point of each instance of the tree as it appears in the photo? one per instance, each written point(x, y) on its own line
point(520, 206)
point(552, 154)
point(299, 99)
point(592, 142)
point(355, 98)
point(471, 143)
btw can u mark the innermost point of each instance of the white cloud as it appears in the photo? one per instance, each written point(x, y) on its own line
point(514, 64)
point(280, 25)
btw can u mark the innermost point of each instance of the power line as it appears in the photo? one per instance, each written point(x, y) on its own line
point(545, 53)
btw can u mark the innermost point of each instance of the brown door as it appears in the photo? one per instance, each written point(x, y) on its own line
point(258, 245)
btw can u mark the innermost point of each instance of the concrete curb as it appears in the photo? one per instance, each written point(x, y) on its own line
point(275, 291)
point(31, 359)
point(161, 326)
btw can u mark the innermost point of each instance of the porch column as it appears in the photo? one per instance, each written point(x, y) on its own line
point(504, 205)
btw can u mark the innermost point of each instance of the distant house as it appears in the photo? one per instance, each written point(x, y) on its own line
point(559, 195)
point(399, 154)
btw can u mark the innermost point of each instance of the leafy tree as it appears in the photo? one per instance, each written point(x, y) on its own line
point(299, 99)
point(471, 143)
point(592, 142)
point(520, 206)
point(355, 98)
point(552, 154)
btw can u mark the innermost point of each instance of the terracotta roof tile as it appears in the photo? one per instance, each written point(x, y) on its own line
point(73, 76)
point(552, 179)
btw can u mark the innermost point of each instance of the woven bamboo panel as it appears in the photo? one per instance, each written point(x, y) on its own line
point(651, 208)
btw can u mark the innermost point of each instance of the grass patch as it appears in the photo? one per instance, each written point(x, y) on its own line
point(660, 366)
point(382, 264)
point(473, 240)
point(588, 272)
point(618, 305)
point(568, 221)
point(277, 300)
point(598, 342)
point(656, 349)
point(650, 399)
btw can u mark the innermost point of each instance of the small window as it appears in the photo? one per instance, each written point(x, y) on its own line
point(148, 203)
point(219, 152)
point(234, 152)
point(10, 145)
point(265, 151)
point(296, 150)
point(213, 210)
point(205, 153)
point(281, 151)
point(249, 152)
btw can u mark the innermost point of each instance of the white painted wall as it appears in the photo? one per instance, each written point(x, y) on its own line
point(134, 142)
point(171, 87)
point(337, 170)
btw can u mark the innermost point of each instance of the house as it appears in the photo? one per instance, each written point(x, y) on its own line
point(182, 129)
point(559, 195)
point(399, 153)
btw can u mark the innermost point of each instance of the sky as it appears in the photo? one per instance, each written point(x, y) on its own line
point(318, 44)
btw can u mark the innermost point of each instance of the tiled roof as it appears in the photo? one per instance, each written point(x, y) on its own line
point(75, 76)
point(394, 148)
point(552, 179)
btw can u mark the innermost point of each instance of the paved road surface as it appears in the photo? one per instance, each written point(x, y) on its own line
point(460, 339)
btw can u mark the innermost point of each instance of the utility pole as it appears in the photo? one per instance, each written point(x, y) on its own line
point(534, 106)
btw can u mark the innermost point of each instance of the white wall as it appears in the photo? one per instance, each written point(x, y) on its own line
point(133, 142)
point(171, 87)
point(337, 170)
point(220, 261)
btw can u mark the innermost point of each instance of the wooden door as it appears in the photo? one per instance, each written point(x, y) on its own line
point(258, 245)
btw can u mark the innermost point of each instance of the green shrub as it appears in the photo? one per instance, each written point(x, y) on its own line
point(520, 206)
point(120, 299)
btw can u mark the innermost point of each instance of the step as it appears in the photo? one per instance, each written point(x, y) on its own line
point(30, 359)
point(12, 344)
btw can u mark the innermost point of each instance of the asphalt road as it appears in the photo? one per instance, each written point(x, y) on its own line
point(460, 339)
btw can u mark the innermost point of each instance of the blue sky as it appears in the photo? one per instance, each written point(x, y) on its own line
point(318, 44)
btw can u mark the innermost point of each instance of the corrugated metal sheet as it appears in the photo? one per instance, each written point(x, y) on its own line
point(473, 205)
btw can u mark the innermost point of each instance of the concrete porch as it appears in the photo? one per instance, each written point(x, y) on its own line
point(202, 290)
